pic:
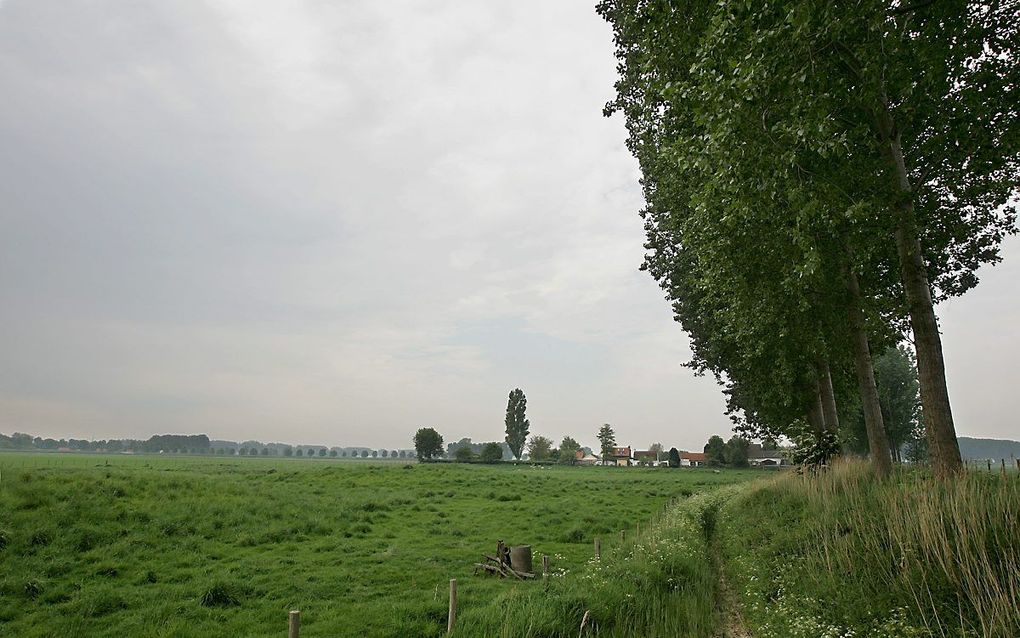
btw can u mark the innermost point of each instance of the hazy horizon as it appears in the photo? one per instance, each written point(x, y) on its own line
point(332, 225)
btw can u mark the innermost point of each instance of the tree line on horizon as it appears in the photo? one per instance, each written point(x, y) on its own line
point(199, 444)
point(817, 177)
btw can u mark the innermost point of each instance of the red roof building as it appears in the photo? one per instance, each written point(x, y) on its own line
point(693, 459)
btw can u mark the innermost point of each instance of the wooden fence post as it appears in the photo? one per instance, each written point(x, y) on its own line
point(294, 625)
point(452, 617)
point(623, 535)
point(598, 549)
point(989, 465)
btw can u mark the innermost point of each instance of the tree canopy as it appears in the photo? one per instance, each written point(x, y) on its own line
point(428, 444)
point(607, 438)
point(816, 177)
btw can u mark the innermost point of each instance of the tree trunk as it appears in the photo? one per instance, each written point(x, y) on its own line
point(815, 415)
point(828, 397)
point(878, 440)
point(936, 412)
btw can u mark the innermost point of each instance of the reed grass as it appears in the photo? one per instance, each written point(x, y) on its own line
point(845, 554)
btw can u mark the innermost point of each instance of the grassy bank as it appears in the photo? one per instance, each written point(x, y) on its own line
point(659, 583)
point(842, 554)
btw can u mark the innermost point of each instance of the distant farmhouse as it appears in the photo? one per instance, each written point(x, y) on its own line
point(760, 457)
point(620, 456)
point(647, 457)
point(585, 457)
point(692, 459)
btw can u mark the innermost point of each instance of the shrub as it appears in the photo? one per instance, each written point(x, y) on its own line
point(492, 453)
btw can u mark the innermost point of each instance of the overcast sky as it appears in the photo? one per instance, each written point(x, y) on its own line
point(335, 222)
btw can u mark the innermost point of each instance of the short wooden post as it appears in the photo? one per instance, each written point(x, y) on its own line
point(294, 626)
point(989, 465)
point(1018, 464)
point(623, 535)
point(545, 570)
point(1003, 465)
point(452, 616)
point(598, 550)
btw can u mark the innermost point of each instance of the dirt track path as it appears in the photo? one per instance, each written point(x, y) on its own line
point(731, 622)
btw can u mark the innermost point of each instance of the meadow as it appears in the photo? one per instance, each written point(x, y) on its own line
point(95, 545)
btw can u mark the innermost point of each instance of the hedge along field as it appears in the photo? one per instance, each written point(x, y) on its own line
point(150, 546)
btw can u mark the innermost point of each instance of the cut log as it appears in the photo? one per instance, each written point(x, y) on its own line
point(520, 559)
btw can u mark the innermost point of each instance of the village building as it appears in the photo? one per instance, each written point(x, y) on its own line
point(759, 457)
point(693, 459)
point(620, 456)
point(646, 457)
point(583, 457)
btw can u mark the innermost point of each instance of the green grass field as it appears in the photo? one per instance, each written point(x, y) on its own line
point(153, 546)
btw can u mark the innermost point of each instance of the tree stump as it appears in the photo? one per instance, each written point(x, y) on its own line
point(520, 558)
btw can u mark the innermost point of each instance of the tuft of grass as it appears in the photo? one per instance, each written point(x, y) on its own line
point(220, 595)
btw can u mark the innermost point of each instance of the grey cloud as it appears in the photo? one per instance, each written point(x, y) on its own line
point(331, 222)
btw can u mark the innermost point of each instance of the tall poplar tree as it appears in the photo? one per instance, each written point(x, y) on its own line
point(517, 425)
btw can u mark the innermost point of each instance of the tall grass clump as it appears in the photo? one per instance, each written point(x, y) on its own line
point(661, 583)
point(843, 553)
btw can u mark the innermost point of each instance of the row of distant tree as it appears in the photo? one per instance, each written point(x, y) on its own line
point(198, 443)
point(192, 444)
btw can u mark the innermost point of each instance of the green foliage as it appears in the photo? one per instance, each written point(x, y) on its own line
point(517, 424)
point(428, 444)
point(813, 448)
point(492, 453)
point(736, 452)
point(769, 138)
point(674, 457)
point(568, 450)
point(899, 396)
point(715, 451)
point(607, 439)
point(463, 454)
point(540, 448)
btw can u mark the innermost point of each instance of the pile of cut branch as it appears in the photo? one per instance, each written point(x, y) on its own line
point(508, 562)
